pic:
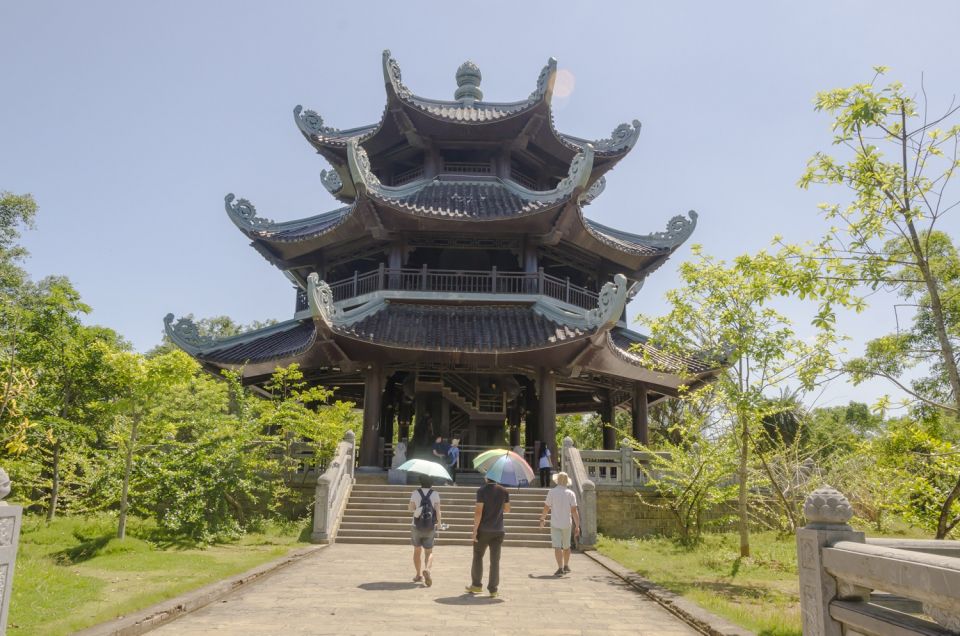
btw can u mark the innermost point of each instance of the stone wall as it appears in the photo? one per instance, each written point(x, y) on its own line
point(620, 513)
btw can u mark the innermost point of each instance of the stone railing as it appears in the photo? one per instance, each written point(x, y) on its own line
point(839, 571)
point(616, 468)
point(456, 281)
point(586, 491)
point(11, 518)
point(333, 490)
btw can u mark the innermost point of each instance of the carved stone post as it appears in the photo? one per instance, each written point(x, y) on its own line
point(827, 512)
point(11, 518)
point(627, 468)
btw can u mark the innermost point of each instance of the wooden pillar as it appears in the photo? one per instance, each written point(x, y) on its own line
point(444, 418)
point(608, 419)
point(548, 410)
point(404, 417)
point(640, 413)
point(372, 400)
point(513, 421)
point(532, 417)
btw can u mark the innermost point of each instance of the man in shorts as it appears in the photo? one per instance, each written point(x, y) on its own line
point(561, 503)
point(423, 531)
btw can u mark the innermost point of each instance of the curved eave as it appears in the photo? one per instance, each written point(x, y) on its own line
point(272, 238)
point(467, 111)
point(660, 372)
point(285, 342)
point(639, 253)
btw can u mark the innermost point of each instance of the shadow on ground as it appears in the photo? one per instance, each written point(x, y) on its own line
point(388, 586)
point(467, 599)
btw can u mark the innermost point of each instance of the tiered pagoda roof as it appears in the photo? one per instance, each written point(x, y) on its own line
point(420, 174)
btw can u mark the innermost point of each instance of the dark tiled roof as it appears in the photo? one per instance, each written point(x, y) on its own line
point(299, 230)
point(278, 342)
point(625, 241)
point(466, 328)
point(479, 112)
point(636, 348)
point(469, 200)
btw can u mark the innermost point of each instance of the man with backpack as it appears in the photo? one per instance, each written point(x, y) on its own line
point(425, 504)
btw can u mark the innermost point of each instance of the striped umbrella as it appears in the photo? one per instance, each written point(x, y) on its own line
point(504, 467)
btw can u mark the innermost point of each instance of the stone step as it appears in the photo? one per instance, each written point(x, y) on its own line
point(444, 501)
point(470, 489)
point(518, 518)
point(382, 528)
point(447, 535)
point(508, 542)
point(452, 507)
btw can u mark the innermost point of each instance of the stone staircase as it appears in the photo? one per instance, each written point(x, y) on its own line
point(377, 513)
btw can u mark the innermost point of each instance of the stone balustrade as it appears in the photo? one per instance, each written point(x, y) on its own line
point(584, 488)
point(616, 468)
point(333, 491)
point(11, 518)
point(840, 571)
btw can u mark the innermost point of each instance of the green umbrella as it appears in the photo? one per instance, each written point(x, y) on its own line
point(425, 467)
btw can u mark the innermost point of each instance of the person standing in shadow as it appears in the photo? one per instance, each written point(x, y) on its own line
point(488, 532)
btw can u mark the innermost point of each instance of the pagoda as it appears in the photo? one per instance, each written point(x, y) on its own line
point(460, 290)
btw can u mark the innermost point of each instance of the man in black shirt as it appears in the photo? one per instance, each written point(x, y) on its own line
point(492, 501)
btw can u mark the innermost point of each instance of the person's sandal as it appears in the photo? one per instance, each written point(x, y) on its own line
point(559, 572)
point(427, 578)
point(418, 579)
point(566, 570)
point(474, 590)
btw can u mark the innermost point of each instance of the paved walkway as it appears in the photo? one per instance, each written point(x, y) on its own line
point(361, 589)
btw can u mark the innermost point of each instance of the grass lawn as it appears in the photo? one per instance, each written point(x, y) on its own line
point(760, 593)
point(74, 573)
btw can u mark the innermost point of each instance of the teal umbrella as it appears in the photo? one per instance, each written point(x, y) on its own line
point(425, 467)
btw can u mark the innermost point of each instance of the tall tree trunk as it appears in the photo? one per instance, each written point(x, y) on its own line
point(54, 483)
point(947, 355)
point(743, 519)
point(127, 470)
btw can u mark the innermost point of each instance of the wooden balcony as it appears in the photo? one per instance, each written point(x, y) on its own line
point(491, 282)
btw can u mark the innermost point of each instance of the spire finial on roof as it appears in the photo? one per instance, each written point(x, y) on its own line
point(468, 83)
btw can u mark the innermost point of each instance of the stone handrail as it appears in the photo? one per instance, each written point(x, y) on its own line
point(616, 468)
point(333, 490)
point(11, 518)
point(839, 570)
point(585, 490)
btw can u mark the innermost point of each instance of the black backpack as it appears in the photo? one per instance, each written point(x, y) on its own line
point(428, 516)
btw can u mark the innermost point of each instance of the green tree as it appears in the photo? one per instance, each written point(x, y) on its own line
point(897, 164)
point(725, 313)
point(17, 382)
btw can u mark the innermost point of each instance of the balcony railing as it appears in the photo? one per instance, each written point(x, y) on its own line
point(463, 282)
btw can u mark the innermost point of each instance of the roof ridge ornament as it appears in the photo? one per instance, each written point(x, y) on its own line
point(244, 215)
point(186, 335)
point(363, 178)
point(320, 298)
point(579, 173)
point(594, 191)
point(331, 181)
point(392, 76)
point(611, 302)
point(545, 82)
point(311, 124)
point(468, 84)
point(678, 230)
point(623, 136)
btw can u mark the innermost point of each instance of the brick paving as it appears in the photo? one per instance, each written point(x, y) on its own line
point(368, 589)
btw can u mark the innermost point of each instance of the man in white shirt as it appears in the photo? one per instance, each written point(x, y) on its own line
point(561, 503)
point(423, 530)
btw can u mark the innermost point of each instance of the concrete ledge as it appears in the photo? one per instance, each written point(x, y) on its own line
point(166, 611)
point(688, 611)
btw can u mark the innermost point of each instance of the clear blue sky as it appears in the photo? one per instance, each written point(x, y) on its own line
point(130, 121)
